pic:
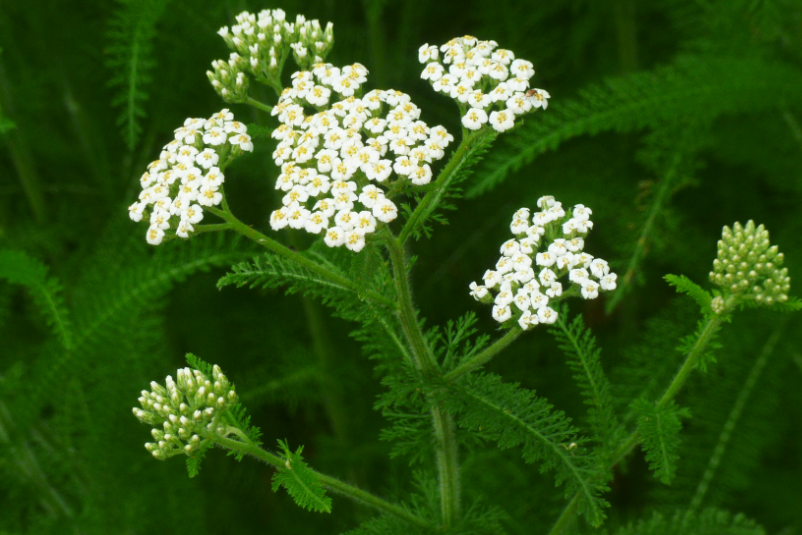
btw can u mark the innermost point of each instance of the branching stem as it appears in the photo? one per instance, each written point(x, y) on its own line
point(333, 484)
point(259, 105)
point(274, 246)
point(485, 356)
point(447, 465)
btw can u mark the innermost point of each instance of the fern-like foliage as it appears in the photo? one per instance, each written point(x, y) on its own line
point(513, 416)
point(131, 33)
point(659, 427)
point(18, 268)
point(584, 359)
point(693, 87)
point(300, 481)
point(708, 522)
point(685, 285)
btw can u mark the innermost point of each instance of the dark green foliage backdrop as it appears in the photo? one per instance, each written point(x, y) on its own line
point(669, 118)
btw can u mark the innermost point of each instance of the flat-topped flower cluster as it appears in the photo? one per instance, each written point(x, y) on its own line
point(261, 44)
point(547, 247)
point(483, 79)
point(184, 409)
point(336, 159)
point(188, 175)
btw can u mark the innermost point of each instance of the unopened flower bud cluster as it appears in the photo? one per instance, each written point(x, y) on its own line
point(188, 175)
point(183, 409)
point(748, 266)
point(489, 81)
point(337, 150)
point(261, 44)
point(547, 247)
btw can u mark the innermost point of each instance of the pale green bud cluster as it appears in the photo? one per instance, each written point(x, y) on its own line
point(184, 410)
point(261, 44)
point(747, 266)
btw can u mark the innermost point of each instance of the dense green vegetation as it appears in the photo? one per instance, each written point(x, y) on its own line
point(670, 119)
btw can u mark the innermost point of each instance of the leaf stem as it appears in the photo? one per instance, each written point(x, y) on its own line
point(485, 356)
point(274, 246)
point(427, 205)
point(447, 463)
point(333, 484)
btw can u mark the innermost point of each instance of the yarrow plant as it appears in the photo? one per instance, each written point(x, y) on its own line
point(532, 264)
point(346, 156)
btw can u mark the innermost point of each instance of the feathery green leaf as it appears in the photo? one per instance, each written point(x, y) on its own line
point(301, 482)
point(659, 428)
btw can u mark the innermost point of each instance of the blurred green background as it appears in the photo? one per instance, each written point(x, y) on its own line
point(669, 118)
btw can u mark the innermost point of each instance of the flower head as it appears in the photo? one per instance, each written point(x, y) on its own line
point(488, 80)
point(184, 409)
point(550, 244)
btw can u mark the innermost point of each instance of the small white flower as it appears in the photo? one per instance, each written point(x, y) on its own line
point(354, 241)
point(207, 158)
point(581, 212)
point(546, 259)
point(540, 99)
point(478, 292)
point(243, 141)
point(546, 315)
point(335, 236)
point(209, 196)
point(510, 247)
point(193, 214)
point(528, 320)
point(578, 276)
point(491, 278)
point(555, 290)
point(538, 300)
point(590, 289)
point(608, 282)
point(183, 230)
point(599, 268)
point(135, 211)
point(474, 119)
point(316, 222)
point(547, 276)
point(501, 121)
point(504, 265)
point(278, 219)
point(525, 275)
point(385, 211)
point(155, 235)
point(501, 313)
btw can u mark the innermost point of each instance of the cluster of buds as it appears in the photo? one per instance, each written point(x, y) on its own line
point(185, 409)
point(488, 83)
point(748, 267)
point(338, 151)
point(551, 242)
point(188, 175)
point(261, 44)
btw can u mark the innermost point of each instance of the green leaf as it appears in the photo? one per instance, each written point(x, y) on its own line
point(659, 428)
point(691, 88)
point(513, 416)
point(364, 267)
point(18, 268)
point(584, 359)
point(708, 522)
point(685, 285)
point(301, 482)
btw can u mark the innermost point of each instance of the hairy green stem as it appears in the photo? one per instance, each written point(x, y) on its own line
point(274, 246)
point(691, 360)
point(469, 144)
point(447, 462)
point(485, 356)
point(335, 485)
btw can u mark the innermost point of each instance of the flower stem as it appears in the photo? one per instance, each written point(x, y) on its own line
point(691, 359)
point(467, 147)
point(447, 463)
point(485, 356)
point(333, 484)
point(259, 105)
point(274, 246)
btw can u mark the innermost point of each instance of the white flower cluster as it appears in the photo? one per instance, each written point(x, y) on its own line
point(489, 80)
point(183, 409)
point(546, 247)
point(188, 175)
point(338, 155)
point(261, 44)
